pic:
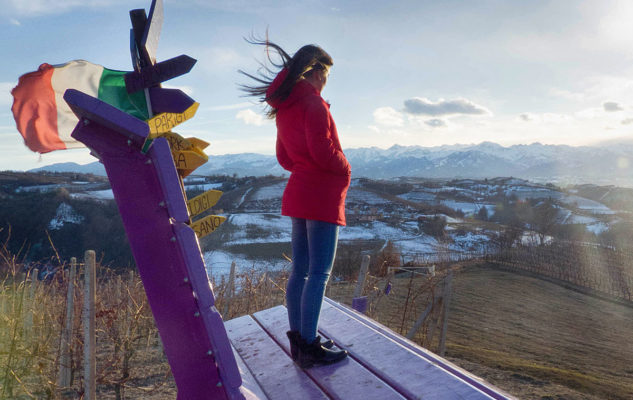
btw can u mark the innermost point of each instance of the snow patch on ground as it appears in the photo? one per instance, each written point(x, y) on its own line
point(95, 194)
point(360, 196)
point(205, 187)
point(65, 214)
point(269, 192)
point(276, 228)
point(219, 264)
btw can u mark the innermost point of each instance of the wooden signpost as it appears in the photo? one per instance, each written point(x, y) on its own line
point(164, 122)
point(203, 202)
point(207, 225)
point(145, 162)
point(158, 73)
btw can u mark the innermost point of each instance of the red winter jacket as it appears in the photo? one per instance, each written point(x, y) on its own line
point(308, 147)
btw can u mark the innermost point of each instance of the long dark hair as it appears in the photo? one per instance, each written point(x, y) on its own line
point(303, 63)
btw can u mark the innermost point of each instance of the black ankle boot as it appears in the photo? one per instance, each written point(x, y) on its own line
point(314, 353)
point(294, 336)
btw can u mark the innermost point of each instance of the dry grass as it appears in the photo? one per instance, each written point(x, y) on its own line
point(530, 337)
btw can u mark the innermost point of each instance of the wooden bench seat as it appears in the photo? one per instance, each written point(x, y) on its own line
point(382, 364)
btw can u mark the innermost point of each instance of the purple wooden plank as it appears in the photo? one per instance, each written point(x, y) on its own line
point(138, 192)
point(344, 380)
point(174, 199)
point(250, 388)
point(436, 360)
point(188, 243)
point(411, 375)
point(360, 304)
point(169, 100)
point(90, 108)
point(160, 72)
point(273, 369)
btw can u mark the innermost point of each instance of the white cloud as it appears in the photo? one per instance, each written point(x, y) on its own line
point(249, 117)
point(15, 22)
point(627, 121)
point(387, 116)
point(527, 117)
point(611, 106)
point(5, 93)
point(459, 106)
point(436, 123)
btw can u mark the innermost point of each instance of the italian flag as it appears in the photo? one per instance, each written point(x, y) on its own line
point(43, 117)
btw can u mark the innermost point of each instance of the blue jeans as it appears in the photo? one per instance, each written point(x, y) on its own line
point(313, 251)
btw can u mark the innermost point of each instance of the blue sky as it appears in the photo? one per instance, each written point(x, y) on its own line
point(405, 72)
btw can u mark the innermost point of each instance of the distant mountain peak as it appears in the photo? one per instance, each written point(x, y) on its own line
point(535, 161)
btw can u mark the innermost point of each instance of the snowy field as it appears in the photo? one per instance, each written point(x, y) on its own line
point(269, 192)
point(95, 194)
point(360, 196)
point(277, 228)
point(219, 264)
point(418, 197)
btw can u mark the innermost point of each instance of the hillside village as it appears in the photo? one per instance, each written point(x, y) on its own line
point(425, 219)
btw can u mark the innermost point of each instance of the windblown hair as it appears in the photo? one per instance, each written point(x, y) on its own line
point(303, 63)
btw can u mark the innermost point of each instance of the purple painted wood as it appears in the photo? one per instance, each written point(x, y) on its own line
point(169, 100)
point(420, 378)
point(466, 377)
point(344, 380)
point(274, 370)
point(221, 347)
point(159, 257)
point(174, 198)
point(160, 72)
point(250, 388)
point(89, 108)
point(360, 304)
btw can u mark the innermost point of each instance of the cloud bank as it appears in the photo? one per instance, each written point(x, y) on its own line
point(250, 117)
point(611, 106)
point(459, 106)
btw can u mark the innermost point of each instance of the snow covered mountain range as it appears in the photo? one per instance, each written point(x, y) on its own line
point(605, 164)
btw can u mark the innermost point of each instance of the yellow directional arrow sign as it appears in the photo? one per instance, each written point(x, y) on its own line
point(188, 159)
point(164, 122)
point(203, 202)
point(207, 225)
point(177, 142)
point(199, 143)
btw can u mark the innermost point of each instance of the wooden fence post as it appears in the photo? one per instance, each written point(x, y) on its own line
point(64, 360)
point(229, 291)
point(90, 368)
point(30, 303)
point(448, 289)
point(421, 318)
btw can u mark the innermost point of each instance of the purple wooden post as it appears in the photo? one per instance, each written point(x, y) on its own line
point(360, 304)
point(167, 253)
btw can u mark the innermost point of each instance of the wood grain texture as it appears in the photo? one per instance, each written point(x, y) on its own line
point(274, 370)
point(344, 380)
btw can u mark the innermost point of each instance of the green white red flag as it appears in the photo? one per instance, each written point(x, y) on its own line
point(43, 117)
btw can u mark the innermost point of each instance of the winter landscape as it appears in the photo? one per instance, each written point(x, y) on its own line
point(521, 246)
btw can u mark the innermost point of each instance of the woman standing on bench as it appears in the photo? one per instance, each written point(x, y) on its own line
point(308, 147)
